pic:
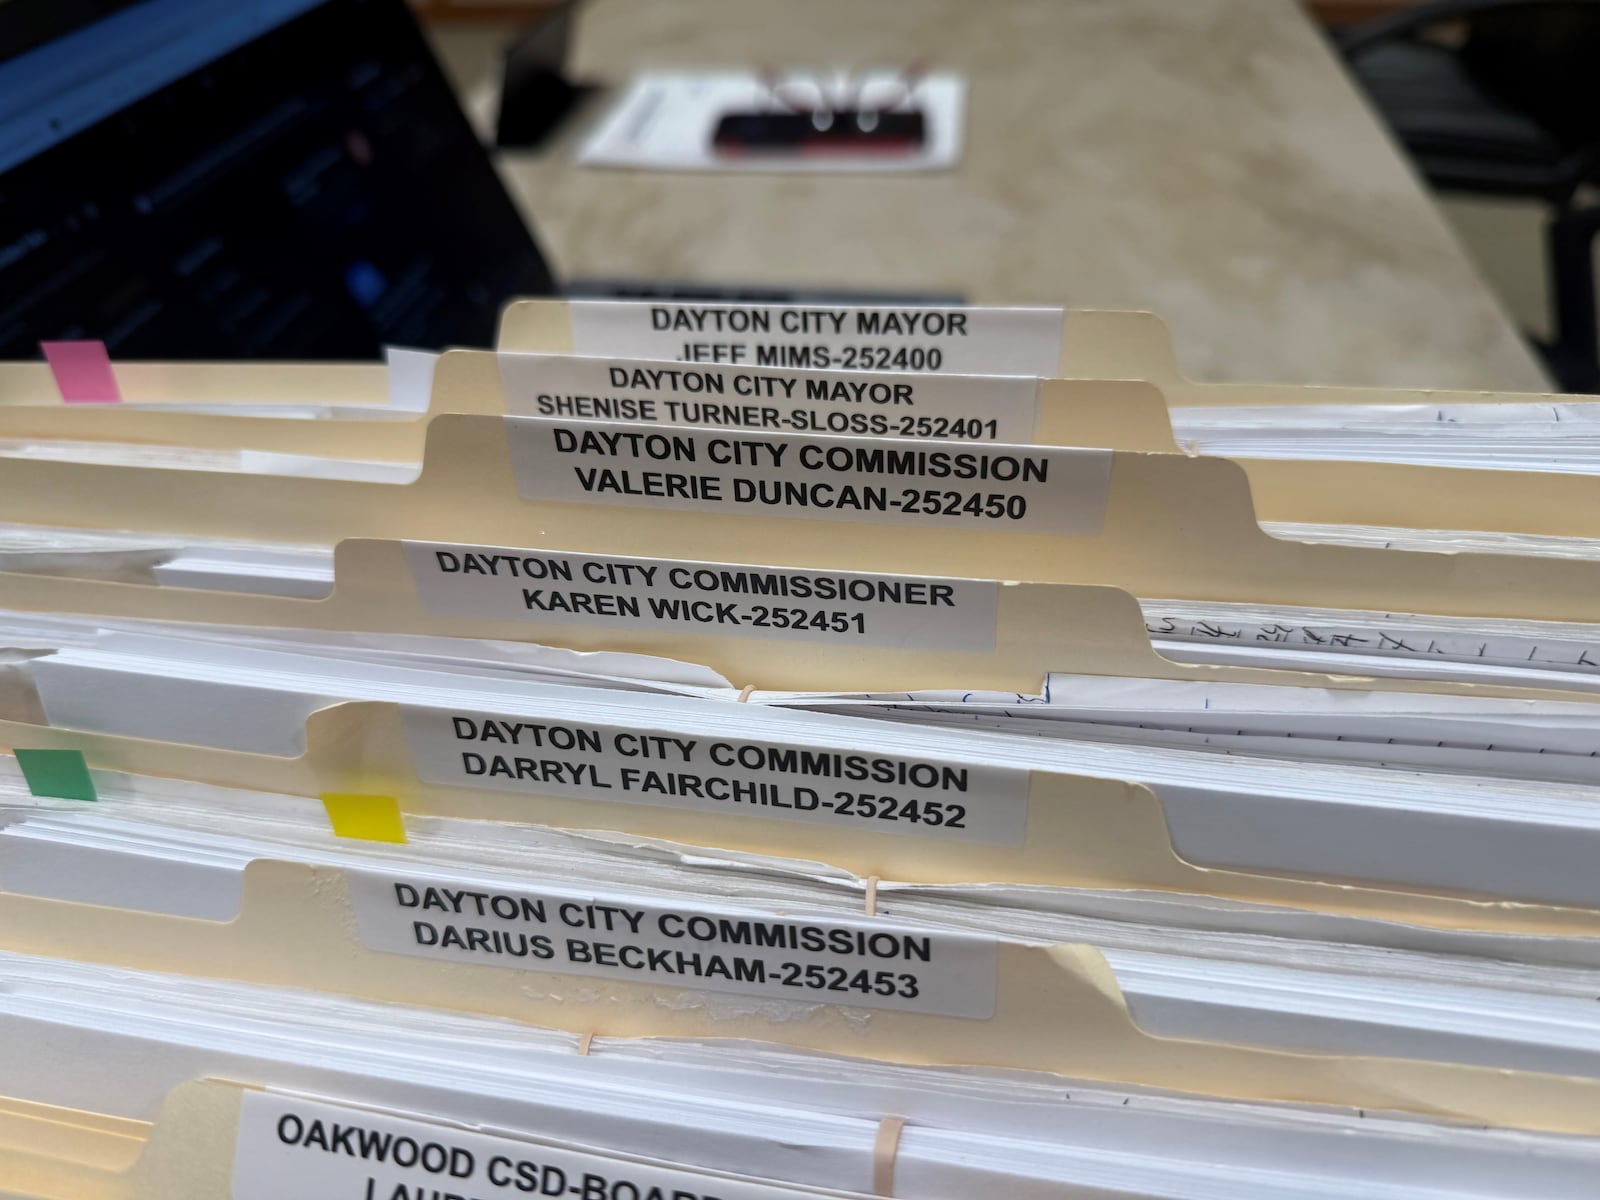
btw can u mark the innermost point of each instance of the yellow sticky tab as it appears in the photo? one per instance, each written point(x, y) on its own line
point(364, 817)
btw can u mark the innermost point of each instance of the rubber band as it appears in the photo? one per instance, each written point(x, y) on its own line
point(584, 1043)
point(744, 696)
point(871, 898)
point(884, 1149)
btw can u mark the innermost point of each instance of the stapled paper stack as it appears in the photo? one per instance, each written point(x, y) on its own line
point(745, 752)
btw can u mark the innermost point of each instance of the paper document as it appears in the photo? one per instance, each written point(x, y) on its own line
point(664, 121)
point(515, 1102)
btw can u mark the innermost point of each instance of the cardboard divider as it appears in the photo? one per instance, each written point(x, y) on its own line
point(1096, 344)
point(67, 1154)
point(1120, 414)
point(1038, 628)
point(1138, 345)
point(1084, 409)
point(25, 385)
point(27, 413)
point(189, 1153)
point(1081, 830)
point(1057, 1008)
point(1173, 528)
point(1098, 404)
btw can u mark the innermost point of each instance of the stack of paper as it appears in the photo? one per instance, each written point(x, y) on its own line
point(724, 751)
point(692, 1117)
point(1369, 788)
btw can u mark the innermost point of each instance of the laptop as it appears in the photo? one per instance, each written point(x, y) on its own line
point(219, 179)
point(261, 179)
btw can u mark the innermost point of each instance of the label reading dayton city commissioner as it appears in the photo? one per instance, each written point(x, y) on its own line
point(976, 408)
point(948, 485)
point(289, 1148)
point(963, 341)
point(866, 963)
point(735, 777)
point(836, 607)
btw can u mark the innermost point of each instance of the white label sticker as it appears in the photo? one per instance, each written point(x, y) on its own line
point(876, 793)
point(840, 608)
point(978, 408)
point(959, 341)
point(989, 487)
point(867, 963)
point(306, 1149)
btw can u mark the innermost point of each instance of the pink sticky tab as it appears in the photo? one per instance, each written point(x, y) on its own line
point(82, 371)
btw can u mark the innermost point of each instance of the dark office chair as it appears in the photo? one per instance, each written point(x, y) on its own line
point(1502, 97)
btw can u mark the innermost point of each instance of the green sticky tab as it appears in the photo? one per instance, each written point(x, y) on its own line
point(59, 773)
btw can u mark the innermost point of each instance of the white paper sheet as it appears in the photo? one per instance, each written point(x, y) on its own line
point(665, 120)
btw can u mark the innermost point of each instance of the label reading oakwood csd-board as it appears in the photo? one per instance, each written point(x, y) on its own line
point(959, 340)
point(727, 600)
point(977, 408)
point(734, 777)
point(306, 1149)
point(867, 963)
point(988, 487)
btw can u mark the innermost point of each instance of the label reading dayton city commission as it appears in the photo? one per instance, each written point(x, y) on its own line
point(722, 599)
point(866, 963)
point(988, 486)
point(734, 777)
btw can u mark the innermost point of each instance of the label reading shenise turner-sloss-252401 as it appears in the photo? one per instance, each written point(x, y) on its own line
point(302, 1149)
point(876, 793)
point(692, 945)
point(719, 599)
point(976, 408)
point(986, 487)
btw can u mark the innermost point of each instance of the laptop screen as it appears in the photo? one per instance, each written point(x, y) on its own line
point(252, 179)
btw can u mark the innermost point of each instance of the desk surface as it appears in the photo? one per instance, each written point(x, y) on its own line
point(1207, 159)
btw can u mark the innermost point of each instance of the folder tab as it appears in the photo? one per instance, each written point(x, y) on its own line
point(842, 608)
point(82, 372)
point(367, 818)
point(978, 408)
point(62, 774)
point(276, 1131)
point(961, 340)
point(988, 487)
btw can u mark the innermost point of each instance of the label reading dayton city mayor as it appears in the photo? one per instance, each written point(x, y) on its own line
point(736, 777)
point(962, 341)
point(977, 408)
point(866, 963)
point(987, 487)
point(302, 1149)
point(837, 607)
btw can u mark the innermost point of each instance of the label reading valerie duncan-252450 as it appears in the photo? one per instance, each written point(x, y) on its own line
point(988, 487)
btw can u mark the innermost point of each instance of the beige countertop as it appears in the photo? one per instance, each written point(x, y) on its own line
point(1207, 159)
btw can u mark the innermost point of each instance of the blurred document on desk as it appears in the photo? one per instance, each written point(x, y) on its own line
point(666, 121)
